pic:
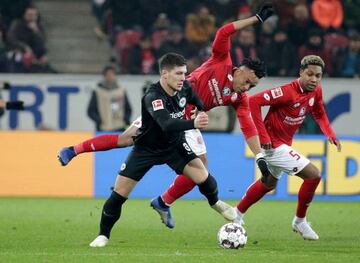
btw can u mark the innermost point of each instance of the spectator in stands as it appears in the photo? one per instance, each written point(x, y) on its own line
point(327, 13)
point(352, 11)
point(279, 55)
point(3, 59)
point(160, 30)
point(13, 9)
point(142, 57)
point(315, 46)
point(298, 29)
point(177, 43)
point(109, 106)
point(245, 46)
point(28, 35)
point(347, 59)
point(200, 26)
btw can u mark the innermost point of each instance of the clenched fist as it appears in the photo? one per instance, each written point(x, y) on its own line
point(201, 120)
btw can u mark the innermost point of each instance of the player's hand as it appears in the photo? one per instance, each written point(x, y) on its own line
point(336, 142)
point(266, 146)
point(194, 112)
point(15, 105)
point(266, 10)
point(201, 121)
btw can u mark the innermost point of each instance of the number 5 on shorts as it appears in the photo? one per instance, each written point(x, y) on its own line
point(295, 155)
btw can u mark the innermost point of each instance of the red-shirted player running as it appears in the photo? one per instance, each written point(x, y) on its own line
point(289, 106)
point(217, 83)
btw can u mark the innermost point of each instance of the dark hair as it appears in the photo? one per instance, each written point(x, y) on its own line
point(108, 68)
point(256, 65)
point(170, 61)
point(312, 60)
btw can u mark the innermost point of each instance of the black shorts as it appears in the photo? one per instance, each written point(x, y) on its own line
point(140, 160)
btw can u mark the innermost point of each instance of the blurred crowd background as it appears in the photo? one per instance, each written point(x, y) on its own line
point(138, 32)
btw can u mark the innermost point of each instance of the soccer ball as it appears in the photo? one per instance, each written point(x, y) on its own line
point(232, 236)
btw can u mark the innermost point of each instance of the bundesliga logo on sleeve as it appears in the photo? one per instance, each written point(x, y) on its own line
point(157, 105)
point(276, 93)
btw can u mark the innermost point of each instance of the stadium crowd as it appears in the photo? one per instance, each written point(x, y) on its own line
point(140, 33)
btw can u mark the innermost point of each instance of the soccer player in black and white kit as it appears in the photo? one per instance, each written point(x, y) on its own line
point(161, 140)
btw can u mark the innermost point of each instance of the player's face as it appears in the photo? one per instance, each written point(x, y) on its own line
point(175, 77)
point(244, 79)
point(310, 77)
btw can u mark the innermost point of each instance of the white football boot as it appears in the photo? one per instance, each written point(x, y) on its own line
point(226, 210)
point(304, 229)
point(239, 217)
point(99, 241)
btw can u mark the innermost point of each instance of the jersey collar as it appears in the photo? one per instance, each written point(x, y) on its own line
point(298, 83)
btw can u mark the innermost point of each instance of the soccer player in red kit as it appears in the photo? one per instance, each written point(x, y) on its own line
point(289, 106)
point(217, 83)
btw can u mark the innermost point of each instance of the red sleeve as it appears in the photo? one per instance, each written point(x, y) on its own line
point(265, 98)
point(321, 118)
point(244, 116)
point(221, 44)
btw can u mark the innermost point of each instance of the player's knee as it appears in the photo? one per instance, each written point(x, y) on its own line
point(209, 186)
point(269, 181)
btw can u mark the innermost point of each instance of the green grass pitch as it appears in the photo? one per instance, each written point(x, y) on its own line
point(59, 230)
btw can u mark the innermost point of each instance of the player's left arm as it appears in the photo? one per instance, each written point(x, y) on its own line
point(221, 44)
point(322, 120)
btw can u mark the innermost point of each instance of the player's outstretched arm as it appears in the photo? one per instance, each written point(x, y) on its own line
point(264, 13)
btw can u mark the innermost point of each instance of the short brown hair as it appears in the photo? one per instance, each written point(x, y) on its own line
point(312, 60)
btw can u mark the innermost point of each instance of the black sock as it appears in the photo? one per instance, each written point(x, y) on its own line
point(162, 203)
point(209, 189)
point(111, 213)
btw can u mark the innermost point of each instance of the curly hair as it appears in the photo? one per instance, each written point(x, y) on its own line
point(256, 65)
point(312, 60)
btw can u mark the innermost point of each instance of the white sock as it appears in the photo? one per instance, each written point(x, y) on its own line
point(299, 219)
point(239, 214)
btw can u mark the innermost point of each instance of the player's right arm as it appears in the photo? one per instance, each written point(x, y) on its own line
point(156, 106)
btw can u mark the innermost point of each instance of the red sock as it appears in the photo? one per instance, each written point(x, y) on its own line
point(253, 194)
point(98, 143)
point(181, 186)
point(305, 196)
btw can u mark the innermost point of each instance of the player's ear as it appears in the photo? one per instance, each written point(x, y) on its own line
point(164, 73)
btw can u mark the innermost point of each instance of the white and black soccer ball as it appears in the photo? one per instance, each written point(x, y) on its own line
point(232, 236)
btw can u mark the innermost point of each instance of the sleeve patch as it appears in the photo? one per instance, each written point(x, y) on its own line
point(266, 96)
point(157, 105)
point(276, 93)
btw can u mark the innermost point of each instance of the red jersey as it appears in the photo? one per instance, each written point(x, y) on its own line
point(289, 106)
point(213, 82)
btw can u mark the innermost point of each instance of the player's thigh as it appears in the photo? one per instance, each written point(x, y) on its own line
point(124, 185)
point(196, 171)
point(285, 159)
point(137, 164)
point(181, 156)
point(309, 172)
